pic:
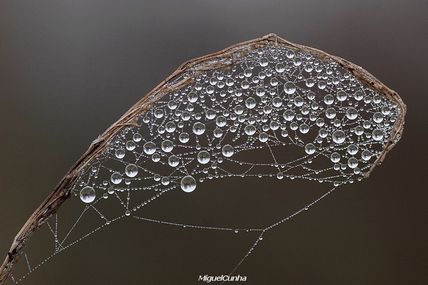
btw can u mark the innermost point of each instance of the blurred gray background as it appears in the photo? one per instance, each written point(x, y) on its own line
point(68, 69)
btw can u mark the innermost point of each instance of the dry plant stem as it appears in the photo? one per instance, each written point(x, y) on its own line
point(221, 59)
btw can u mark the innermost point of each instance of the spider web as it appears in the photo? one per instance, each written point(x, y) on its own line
point(278, 113)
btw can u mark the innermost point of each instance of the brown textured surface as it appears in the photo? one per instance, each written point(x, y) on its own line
point(213, 61)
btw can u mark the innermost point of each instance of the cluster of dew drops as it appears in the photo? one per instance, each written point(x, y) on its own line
point(273, 96)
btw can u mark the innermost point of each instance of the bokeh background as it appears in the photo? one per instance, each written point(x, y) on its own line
point(68, 69)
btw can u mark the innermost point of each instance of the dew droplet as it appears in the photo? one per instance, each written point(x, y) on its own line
point(120, 153)
point(227, 150)
point(188, 184)
point(250, 130)
point(250, 103)
point(335, 157)
point(366, 155)
point(203, 157)
point(87, 194)
point(184, 137)
point(352, 162)
point(116, 178)
point(173, 161)
point(198, 128)
point(130, 145)
point(149, 148)
point(131, 170)
point(310, 148)
point(339, 136)
point(341, 95)
point(351, 113)
point(377, 134)
point(167, 145)
point(288, 115)
point(289, 88)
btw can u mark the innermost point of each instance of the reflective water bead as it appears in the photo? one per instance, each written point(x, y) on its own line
point(120, 153)
point(358, 95)
point(328, 99)
point(130, 145)
point(158, 113)
point(359, 130)
point(378, 117)
point(277, 102)
point(203, 157)
point(263, 137)
point(87, 195)
point(218, 133)
point(116, 178)
point(351, 113)
point(352, 162)
point(289, 88)
point(341, 95)
point(260, 91)
point(335, 157)
point(311, 95)
point(156, 157)
point(339, 136)
point(221, 121)
point(352, 149)
point(188, 184)
point(377, 134)
point(210, 114)
point(250, 103)
point(288, 115)
point(192, 97)
point(137, 137)
point(304, 128)
point(167, 145)
point(184, 137)
point(149, 148)
point(279, 67)
point(310, 82)
point(250, 130)
point(170, 127)
point(198, 128)
point(298, 101)
point(310, 148)
point(366, 155)
point(173, 161)
point(330, 113)
point(227, 150)
point(131, 170)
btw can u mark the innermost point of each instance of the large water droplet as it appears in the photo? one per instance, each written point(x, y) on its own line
point(131, 170)
point(198, 128)
point(339, 136)
point(167, 145)
point(87, 194)
point(227, 150)
point(352, 162)
point(250, 130)
point(203, 157)
point(116, 178)
point(250, 103)
point(149, 148)
point(377, 134)
point(173, 161)
point(310, 148)
point(289, 88)
point(351, 113)
point(184, 137)
point(120, 153)
point(341, 95)
point(188, 184)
